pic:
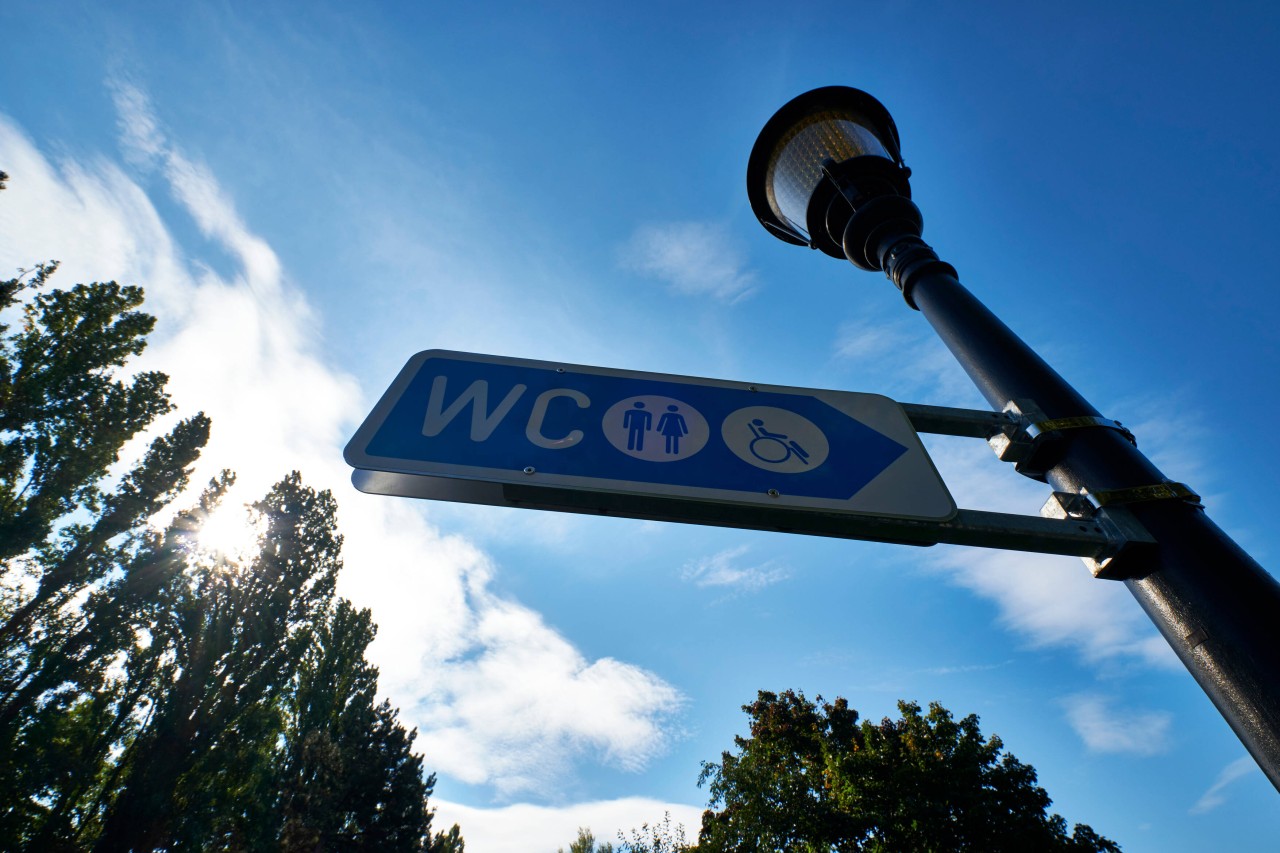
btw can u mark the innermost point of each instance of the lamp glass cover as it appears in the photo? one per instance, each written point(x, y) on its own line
point(795, 169)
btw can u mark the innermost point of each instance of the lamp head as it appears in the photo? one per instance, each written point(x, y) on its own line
point(820, 158)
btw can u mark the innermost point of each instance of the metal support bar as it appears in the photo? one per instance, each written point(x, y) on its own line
point(968, 423)
point(1092, 538)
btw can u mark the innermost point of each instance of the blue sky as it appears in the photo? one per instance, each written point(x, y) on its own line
point(311, 193)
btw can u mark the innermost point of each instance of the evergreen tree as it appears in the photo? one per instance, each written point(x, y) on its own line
point(223, 648)
point(66, 526)
point(155, 695)
point(350, 780)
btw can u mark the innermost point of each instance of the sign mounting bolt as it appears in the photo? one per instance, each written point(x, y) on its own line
point(530, 469)
point(773, 493)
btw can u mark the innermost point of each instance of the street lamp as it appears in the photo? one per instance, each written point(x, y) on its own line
point(817, 158)
point(827, 172)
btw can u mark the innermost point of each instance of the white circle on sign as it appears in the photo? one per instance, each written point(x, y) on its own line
point(655, 429)
point(775, 439)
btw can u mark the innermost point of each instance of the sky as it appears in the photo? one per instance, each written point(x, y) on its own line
point(312, 193)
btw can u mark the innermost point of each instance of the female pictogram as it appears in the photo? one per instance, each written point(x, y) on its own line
point(672, 426)
point(773, 447)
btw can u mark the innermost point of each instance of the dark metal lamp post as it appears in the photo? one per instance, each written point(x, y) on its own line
point(827, 172)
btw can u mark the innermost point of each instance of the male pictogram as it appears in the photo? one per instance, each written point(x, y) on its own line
point(636, 422)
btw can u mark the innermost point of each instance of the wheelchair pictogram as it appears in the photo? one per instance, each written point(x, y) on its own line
point(773, 447)
point(774, 439)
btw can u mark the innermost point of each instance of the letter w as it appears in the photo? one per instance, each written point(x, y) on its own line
point(483, 422)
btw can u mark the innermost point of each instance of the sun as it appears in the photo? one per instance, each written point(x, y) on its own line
point(230, 533)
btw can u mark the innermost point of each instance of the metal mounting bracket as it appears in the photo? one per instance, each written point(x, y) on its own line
point(1024, 436)
point(1021, 434)
point(1126, 537)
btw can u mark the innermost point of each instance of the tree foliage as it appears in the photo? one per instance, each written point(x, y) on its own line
point(664, 837)
point(155, 694)
point(812, 777)
point(348, 775)
point(67, 529)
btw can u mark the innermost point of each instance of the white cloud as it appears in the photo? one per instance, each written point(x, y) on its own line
point(499, 696)
point(1216, 795)
point(1105, 728)
point(522, 828)
point(515, 704)
point(693, 258)
point(722, 570)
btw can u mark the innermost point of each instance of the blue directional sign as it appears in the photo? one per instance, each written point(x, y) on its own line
point(487, 429)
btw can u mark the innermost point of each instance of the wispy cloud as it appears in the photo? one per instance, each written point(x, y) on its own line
point(693, 258)
point(499, 696)
point(1105, 728)
point(860, 340)
point(904, 349)
point(964, 668)
point(140, 135)
point(144, 141)
point(1216, 795)
point(726, 570)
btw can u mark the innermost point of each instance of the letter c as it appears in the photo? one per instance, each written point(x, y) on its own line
point(534, 431)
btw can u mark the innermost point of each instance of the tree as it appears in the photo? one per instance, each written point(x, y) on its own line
point(247, 719)
point(155, 694)
point(349, 779)
point(67, 525)
point(225, 642)
point(811, 777)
